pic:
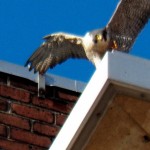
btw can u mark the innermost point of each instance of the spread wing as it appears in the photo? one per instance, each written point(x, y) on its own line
point(128, 20)
point(56, 49)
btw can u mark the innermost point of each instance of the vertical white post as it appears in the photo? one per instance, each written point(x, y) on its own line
point(41, 85)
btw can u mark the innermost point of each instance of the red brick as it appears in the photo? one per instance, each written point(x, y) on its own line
point(60, 119)
point(34, 113)
point(45, 129)
point(14, 121)
point(3, 105)
point(3, 130)
point(23, 83)
point(14, 93)
point(12, 145)
point(53, 105)
point(3, 78)
point(67, 96)
point(36, 148)
point(30, 138)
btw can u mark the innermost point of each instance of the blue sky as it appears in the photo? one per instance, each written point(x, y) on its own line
point(23, 23)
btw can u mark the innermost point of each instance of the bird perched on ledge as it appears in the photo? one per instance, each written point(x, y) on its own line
point(119, 34)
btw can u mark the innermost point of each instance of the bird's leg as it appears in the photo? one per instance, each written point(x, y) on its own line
point(113, 50)
point(115, 46)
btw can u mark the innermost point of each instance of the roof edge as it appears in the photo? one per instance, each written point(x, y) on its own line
point(50, 79)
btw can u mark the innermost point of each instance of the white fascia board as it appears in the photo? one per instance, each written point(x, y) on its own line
point(83, 109)
point(74, 85)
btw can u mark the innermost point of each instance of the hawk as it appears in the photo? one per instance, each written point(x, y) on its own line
point(119, 34)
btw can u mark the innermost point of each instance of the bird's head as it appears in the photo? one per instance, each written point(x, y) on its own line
point(97, 41)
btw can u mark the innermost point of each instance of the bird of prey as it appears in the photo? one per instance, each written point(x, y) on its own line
point(119, 34)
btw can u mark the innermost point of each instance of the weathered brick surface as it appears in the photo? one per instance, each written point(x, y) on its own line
point(28, 137)
point(23, 83)
point(14, 121)
point(67, 96)
point(34, 113)
point(14, 93)
point(45, 129)
point(52, 104)
point(12, 145)
point(3, 78)
point(31, 147)
point(60, 119)
point(4, 105)
point(17, 145)
point(26, 121)
point(3, 130)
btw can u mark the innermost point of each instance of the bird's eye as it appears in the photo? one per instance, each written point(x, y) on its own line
point(98, 37)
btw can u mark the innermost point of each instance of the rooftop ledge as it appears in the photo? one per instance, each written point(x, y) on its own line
point(117, 73)
point(50, 80)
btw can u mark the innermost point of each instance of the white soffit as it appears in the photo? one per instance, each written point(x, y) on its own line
point(116, 68)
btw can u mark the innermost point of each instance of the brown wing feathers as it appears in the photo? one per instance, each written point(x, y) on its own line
point(55, 50)
point(128, 20)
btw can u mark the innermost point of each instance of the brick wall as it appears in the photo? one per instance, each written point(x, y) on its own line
point(26, 121)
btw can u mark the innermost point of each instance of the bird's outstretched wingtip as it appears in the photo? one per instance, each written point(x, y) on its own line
point(28, 65)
